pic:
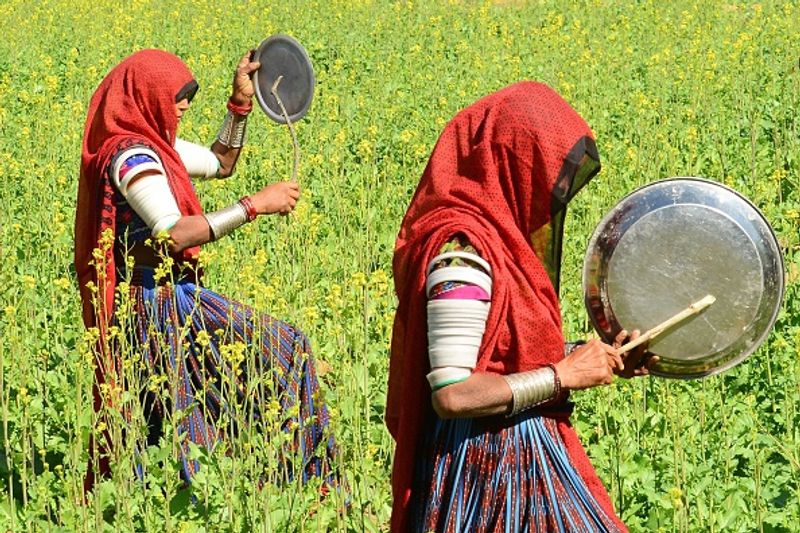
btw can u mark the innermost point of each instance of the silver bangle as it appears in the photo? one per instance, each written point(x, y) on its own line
point(226, 220)
point(529, 389)
point(570, 347)
point(232, 132)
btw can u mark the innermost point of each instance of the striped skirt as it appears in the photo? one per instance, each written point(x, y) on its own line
point(511, 476)
point(216, 367)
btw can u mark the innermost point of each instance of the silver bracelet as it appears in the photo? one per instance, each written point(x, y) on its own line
point(529, 389)
point(232, 132)
point(226, 220)
point(570, 347)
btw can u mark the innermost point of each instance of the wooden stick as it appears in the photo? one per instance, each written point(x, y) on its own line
point(648, 335)
point(295, 145)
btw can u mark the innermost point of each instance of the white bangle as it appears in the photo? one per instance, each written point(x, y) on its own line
point(442, 377)
point(459, 274)
point(200, 162)
point(467, 256)
point(151, 198)
point(455, 332)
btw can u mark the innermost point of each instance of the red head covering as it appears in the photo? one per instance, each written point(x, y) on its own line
point(502, 170)
point(134, 104)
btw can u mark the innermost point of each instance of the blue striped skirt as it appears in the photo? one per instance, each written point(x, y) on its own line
point(216, 367)
point(481, 475)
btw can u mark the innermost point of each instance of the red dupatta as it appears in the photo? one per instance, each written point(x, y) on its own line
point(134, 104)
point(501, 173)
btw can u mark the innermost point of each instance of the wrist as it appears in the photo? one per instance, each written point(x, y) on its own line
point(563, 374)
point(240, 106)
point(249, 208)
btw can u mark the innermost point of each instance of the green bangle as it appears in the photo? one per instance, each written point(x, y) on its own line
point(449, 382)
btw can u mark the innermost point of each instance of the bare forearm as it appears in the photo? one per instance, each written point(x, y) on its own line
point(194, 230)
point(479, 395)
point(189, 231)
point(227, 157)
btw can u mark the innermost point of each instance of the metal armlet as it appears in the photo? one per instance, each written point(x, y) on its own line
point(530, 389)
point(226, 220)
point(232, 131)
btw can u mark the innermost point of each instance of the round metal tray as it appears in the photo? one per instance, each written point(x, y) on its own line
point(281, 55)
point(667, 245)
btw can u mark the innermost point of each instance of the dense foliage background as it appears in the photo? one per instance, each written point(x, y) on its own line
point(670, 88)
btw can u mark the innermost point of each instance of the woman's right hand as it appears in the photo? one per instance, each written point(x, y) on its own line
point(278, 197)
point(589, 365)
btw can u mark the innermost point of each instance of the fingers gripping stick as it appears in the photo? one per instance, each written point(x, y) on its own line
point(690, 311)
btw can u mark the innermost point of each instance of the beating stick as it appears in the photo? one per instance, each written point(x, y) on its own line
point(692, 310)
point(295, 145)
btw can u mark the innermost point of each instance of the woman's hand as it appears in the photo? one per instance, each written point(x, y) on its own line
point(278, 197)
point(243, 90)
point(637, 361)
point(589, 365)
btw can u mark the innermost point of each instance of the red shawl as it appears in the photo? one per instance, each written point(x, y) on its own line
point(491, 177)
point(134, 104)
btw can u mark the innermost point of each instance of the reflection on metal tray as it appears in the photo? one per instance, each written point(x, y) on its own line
point(670, 243)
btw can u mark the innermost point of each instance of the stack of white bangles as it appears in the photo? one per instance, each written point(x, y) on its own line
point(455, 333)
point(456, 326)
point(149, 194)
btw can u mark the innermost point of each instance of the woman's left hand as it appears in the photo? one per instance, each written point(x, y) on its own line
point(637, 362)
point(243, 89)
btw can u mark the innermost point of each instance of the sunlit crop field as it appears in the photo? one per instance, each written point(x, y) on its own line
point(670, 88)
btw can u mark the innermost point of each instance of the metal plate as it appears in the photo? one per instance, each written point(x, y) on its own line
point(667, 245)
point(281, 55)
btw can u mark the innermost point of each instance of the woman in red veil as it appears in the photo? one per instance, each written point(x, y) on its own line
point(195, 353)
point(478, 329)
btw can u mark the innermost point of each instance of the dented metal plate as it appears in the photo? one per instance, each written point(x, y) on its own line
point(669, 244)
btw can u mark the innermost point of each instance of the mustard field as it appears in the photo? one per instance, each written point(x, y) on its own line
point(704, 88)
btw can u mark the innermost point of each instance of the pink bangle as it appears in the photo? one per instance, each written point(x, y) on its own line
point(249, 208)
point(239, 109)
